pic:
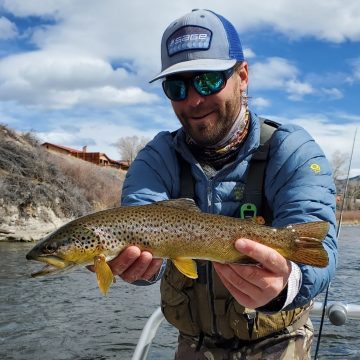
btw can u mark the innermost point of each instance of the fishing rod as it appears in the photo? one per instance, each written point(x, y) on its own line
point(337, 236)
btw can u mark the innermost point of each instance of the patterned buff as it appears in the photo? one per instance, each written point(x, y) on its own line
point(225, 151)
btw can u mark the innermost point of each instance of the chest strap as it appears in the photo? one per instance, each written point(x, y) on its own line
point(253, 193)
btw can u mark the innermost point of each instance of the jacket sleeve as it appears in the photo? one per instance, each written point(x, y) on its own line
point(299, 187)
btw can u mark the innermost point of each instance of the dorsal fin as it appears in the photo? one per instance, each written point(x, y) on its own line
point(182, 203)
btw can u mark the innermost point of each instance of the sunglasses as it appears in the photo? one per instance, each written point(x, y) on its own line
point(205, 84)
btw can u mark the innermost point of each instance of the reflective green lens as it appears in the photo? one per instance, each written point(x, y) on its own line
point(209, 83)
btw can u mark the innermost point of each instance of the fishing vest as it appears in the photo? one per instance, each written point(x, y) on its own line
point(204, 307)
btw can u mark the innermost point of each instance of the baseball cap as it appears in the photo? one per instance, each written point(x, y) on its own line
point(199, 41)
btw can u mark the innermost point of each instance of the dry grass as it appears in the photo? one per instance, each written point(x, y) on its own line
point(101, 185)
point(31, 177)
point(350, 217)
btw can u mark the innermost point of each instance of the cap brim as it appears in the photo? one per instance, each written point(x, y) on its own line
point(196, 65)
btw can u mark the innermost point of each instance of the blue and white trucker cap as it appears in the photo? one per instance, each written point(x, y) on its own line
point(199, 41)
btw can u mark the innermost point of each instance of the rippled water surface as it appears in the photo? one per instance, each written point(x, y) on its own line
point(64, 317)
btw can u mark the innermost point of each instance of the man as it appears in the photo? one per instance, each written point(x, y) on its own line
point(231, 311)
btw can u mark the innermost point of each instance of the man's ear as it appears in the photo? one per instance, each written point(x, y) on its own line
point(243, 71)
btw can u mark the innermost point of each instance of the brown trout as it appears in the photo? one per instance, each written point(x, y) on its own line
point(172, 229)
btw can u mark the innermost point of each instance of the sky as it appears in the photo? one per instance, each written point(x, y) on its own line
point(76, 72)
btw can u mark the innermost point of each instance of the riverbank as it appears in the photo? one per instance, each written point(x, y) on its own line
point(15, 228)
point(350, 217)
point(40, 190)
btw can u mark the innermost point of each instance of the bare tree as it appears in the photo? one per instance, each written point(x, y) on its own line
point(129, 146)
point(339, 161)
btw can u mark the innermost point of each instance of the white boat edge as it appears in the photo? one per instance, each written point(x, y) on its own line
point(337, 312)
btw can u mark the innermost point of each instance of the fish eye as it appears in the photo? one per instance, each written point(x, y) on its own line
point(50, 248)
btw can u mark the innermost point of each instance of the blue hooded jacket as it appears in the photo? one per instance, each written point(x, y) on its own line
point(298, 186)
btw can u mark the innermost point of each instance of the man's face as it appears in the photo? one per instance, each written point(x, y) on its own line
point(207, 119)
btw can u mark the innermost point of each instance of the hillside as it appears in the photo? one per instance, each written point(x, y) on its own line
point(39, 191)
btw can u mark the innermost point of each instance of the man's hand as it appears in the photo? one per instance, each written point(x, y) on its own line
point(133, 264)
point(254, 286)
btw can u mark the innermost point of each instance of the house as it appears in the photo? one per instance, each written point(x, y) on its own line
point(96, 158)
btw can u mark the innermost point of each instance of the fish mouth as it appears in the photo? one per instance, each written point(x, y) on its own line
point(54, 265)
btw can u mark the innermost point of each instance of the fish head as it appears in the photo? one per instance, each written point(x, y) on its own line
point(65, 248)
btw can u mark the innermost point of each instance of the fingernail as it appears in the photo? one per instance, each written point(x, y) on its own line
point(240, 243)
point(273, 259)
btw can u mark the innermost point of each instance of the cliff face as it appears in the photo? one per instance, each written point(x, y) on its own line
point(40, 191)
point(15, 227)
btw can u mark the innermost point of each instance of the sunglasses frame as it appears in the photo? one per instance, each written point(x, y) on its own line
point(226, 74)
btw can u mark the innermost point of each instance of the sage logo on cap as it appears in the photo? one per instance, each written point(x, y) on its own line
point(188, 38)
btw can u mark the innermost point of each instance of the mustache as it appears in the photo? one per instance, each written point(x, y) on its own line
point(199, 113)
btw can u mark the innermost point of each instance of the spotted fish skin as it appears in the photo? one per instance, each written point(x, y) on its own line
point(175, 229)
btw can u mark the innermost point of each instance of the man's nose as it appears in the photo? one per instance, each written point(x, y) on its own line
point(194, 98)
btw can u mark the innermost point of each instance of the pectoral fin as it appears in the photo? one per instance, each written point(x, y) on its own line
point(104, 274)
point(186, 266)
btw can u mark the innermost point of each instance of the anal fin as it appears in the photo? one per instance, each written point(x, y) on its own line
point(186, 266)
point(104, 274)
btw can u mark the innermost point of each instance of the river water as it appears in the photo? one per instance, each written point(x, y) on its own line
point(64, 317)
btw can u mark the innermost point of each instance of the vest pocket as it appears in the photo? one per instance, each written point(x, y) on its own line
point(249, 325)
point(176, 292)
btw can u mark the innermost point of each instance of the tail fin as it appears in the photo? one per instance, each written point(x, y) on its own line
point(316, 229)
point(310, 250)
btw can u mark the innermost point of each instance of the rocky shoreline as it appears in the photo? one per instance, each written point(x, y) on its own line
point(28, 233)
point(31, 228)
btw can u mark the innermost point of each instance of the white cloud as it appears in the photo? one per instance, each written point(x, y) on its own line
point(332, 93)
point(259, 102)
point(249, 53)
point(110, 27)
point(35, 8)
point(281, 74)
point(8, 29)
point(98, 97)
point(334, 21)
point(297, 90)
point(55, 80)
point(271, 73)
point(95, 135)
point(99, 134)
point(71, 66)
point(87, 35)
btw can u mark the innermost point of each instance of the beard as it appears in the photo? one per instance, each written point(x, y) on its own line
point(209, 133)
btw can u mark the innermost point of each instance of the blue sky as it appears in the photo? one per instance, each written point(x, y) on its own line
point(77, 72)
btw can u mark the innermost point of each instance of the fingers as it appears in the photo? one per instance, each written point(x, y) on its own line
point(250, 285)
point(142, 269)
point(153, 269)
point(254, 286)
point(246, 293)
point(132, 265)
point(241, 297)
point(124, 260)
point(266, 256)
point(249, 278)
